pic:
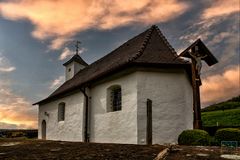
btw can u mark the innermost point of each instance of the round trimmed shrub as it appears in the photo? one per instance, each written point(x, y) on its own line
point(227, 134)
point(194, 137)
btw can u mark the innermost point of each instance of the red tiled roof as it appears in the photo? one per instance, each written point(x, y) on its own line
point(149, 47)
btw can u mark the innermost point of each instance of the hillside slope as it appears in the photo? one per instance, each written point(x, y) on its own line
point(232, 103)
point(222, 114)
point(230, 117)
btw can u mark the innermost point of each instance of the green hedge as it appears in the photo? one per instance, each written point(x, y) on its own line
point(194, 137)
point(227, 134)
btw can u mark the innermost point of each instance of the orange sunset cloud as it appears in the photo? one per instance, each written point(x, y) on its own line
point(60, 20)
point(221, 8)
point(218, 88)
point(15, 110)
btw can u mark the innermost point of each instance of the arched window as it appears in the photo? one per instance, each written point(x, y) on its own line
point(61, 111)
point(114, 98)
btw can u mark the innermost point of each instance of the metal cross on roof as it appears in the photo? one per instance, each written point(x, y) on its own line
point(77, 45)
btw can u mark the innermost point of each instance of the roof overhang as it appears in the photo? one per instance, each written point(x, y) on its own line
point(203, 50)
point(132, 66)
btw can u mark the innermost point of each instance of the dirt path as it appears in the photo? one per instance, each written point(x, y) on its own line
point(36, 149)
point(201, 153)
point(19, 149)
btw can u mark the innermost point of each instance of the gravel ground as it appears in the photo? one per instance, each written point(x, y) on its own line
point(20, 149)
point(37, 149)
point(202, 153)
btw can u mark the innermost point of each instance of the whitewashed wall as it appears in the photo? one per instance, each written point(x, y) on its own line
point(69, 74)
point(118, 126)
point(71, 129)
point(172, 112)
point(74, 67)
point(170, 92)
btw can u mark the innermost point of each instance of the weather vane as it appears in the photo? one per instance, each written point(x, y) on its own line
point(77, 45)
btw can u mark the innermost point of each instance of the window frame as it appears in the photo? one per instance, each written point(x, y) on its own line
point(61, 111)
point(114, 98)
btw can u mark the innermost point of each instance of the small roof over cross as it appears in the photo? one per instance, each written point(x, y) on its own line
point(202, 50)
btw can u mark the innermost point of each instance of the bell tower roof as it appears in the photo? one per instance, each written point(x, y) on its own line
point(76, 58)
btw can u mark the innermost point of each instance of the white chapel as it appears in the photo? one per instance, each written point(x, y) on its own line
point(140, 93)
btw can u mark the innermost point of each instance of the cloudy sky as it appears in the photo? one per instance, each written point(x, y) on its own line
point(36, 38)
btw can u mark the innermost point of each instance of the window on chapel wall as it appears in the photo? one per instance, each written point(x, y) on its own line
point(61, 111)
point(114, 98)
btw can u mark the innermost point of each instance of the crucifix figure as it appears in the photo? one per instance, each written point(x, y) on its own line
point(77, 46)
point(198, 58)
point(198, 52)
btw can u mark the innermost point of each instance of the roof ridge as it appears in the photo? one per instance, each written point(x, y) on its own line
point(112, 52)
point(143, 46)
point(165, 40)
point(149, 48)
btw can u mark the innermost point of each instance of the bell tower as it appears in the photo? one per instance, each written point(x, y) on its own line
point(74, 65)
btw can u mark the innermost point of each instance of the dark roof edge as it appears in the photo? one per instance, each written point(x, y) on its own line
point(76, 58)
point(165, 40)
point(143, 46)
point(185, 50)
point(82, 85)
point(213, 60)
point(119, 68)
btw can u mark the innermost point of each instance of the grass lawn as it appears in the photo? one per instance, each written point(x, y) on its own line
point(230, 117)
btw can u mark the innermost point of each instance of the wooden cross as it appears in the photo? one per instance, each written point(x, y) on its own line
point(197, 52)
